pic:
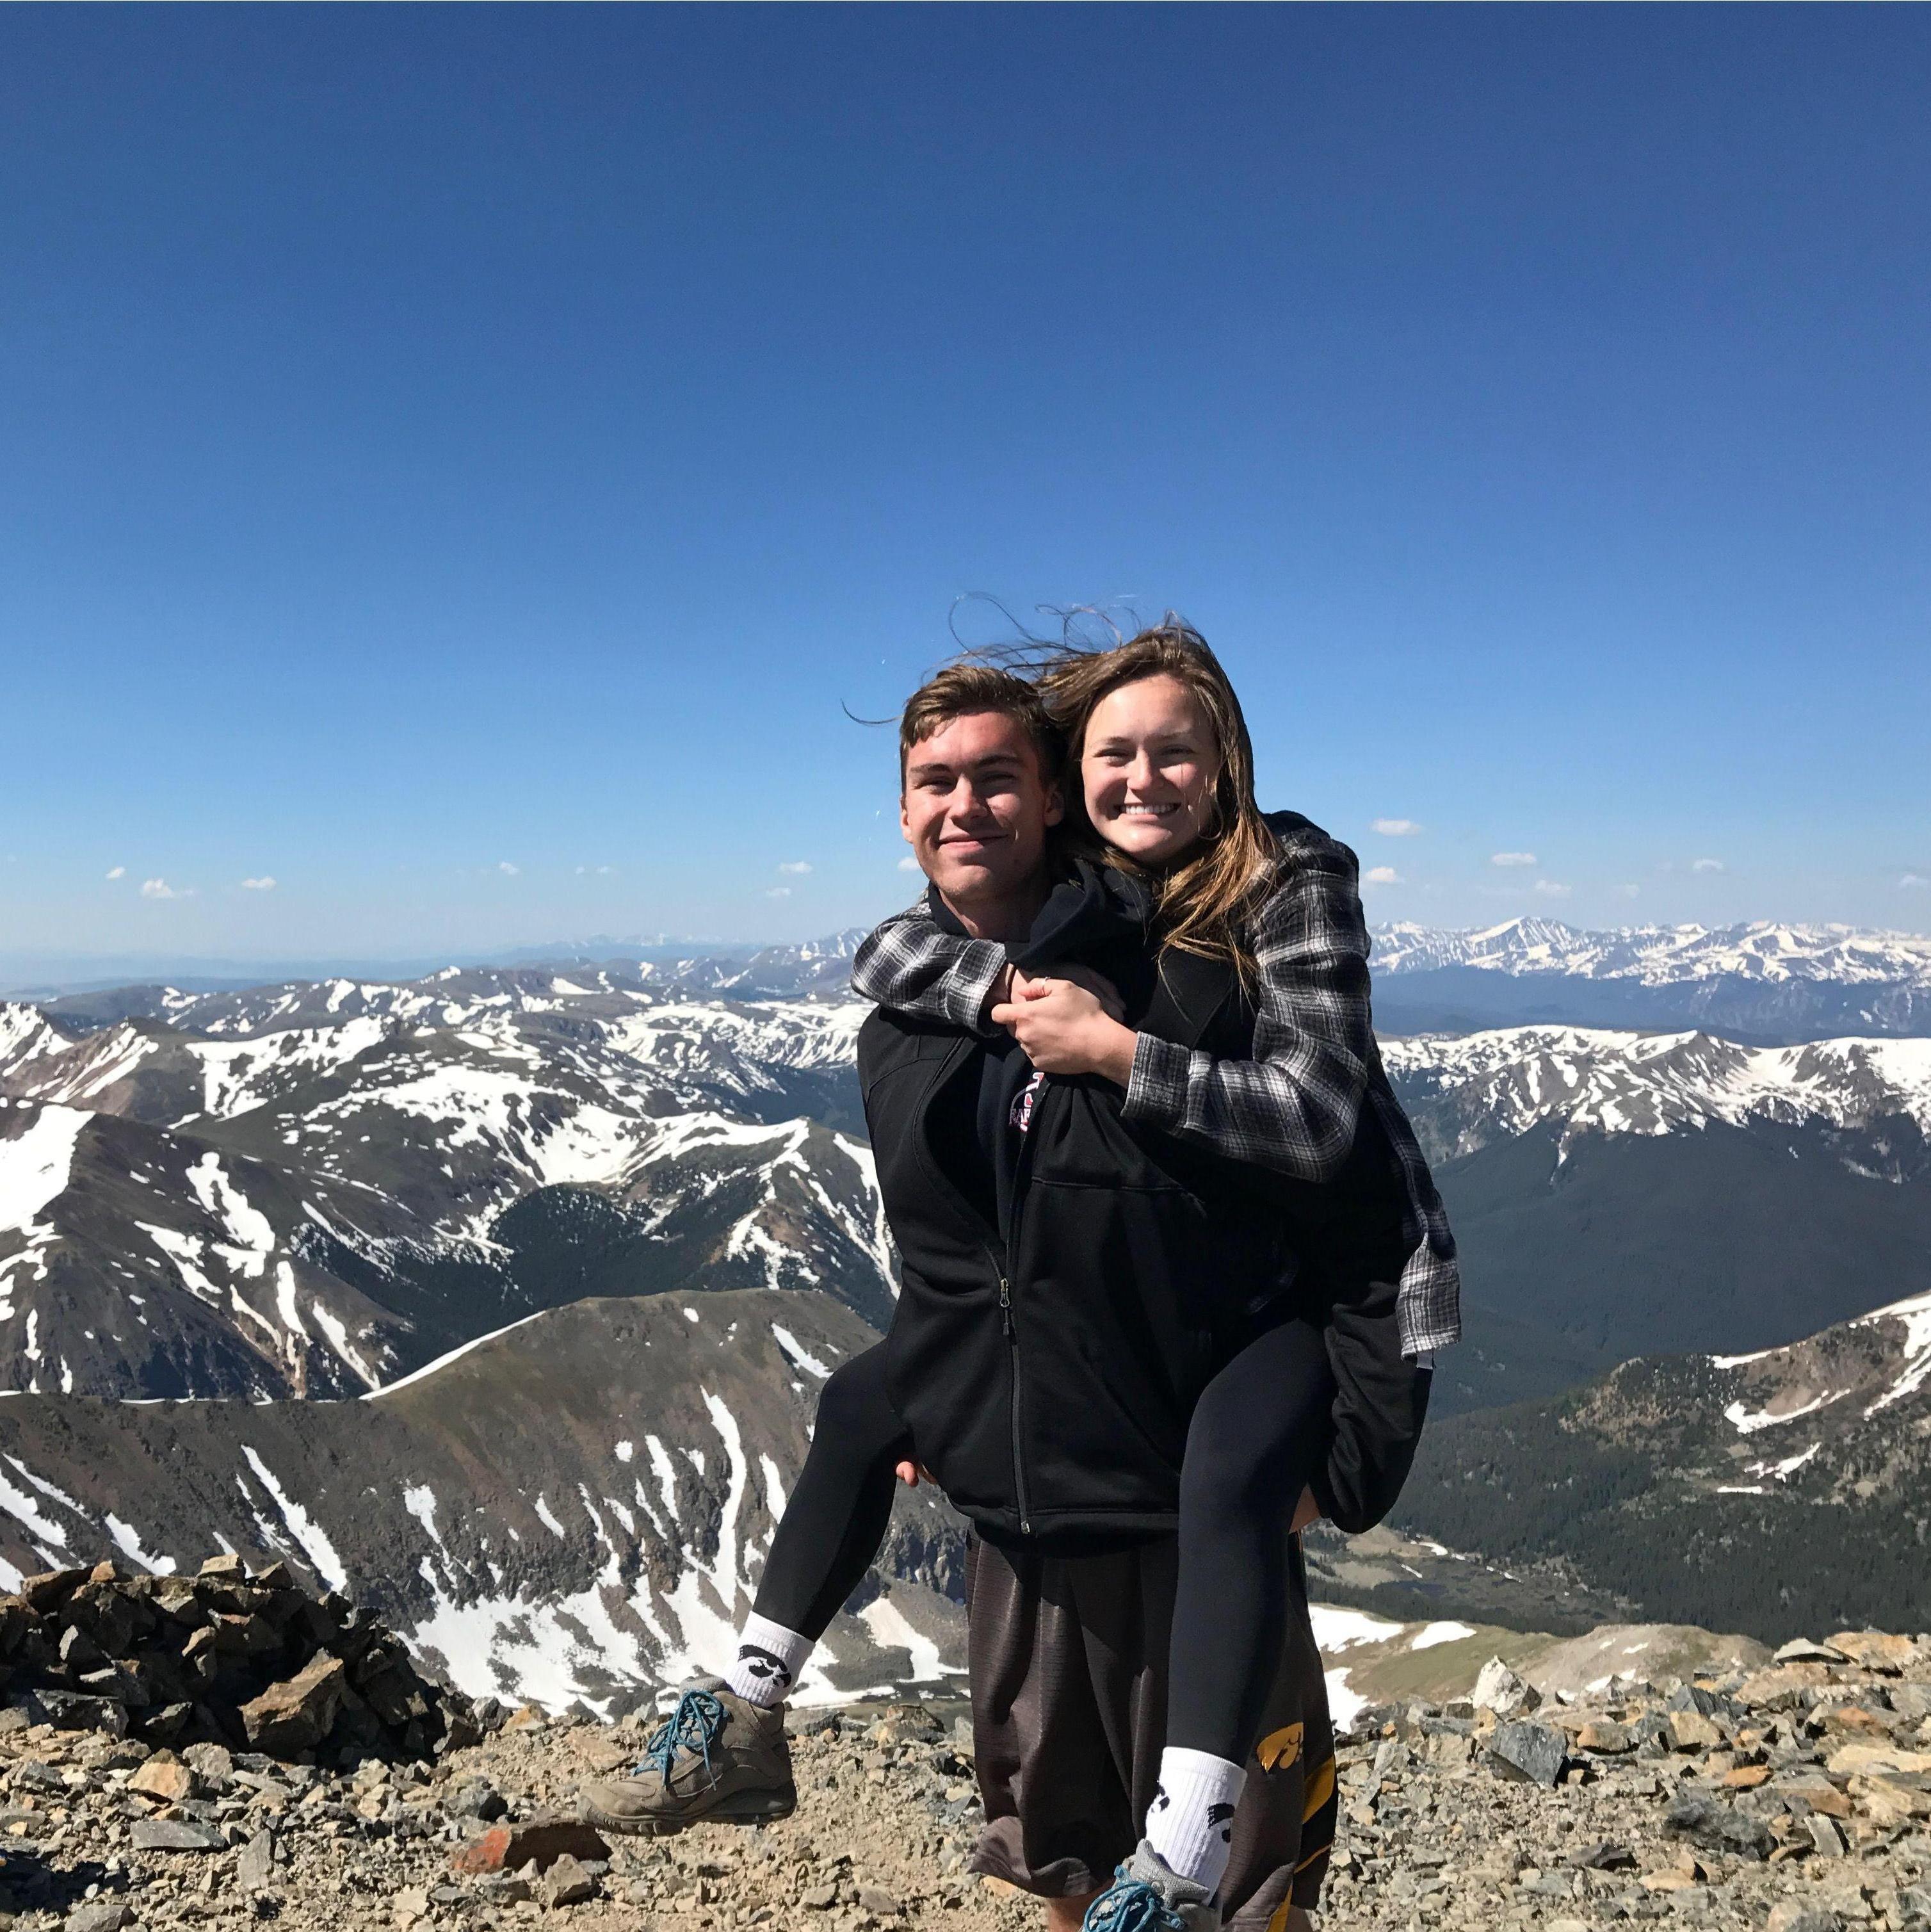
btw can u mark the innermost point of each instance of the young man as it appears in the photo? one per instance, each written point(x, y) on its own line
point(1044, 1357)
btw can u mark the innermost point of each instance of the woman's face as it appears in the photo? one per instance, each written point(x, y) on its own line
point(1148, 769)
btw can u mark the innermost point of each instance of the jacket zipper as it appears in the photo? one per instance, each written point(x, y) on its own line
point(1003, 1270)
point(1006, 1270)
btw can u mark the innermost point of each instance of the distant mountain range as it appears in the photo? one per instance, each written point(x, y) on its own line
point(260, 1197)
point(311, 1188)
point(1760, 981)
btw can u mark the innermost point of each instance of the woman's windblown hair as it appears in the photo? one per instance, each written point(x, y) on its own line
point(1204, 904)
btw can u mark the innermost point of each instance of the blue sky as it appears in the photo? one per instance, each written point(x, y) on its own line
point(460, 461)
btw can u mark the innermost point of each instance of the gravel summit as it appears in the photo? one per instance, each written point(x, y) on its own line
point(1792, 1794)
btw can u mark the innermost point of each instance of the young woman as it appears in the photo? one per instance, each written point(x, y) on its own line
point(1323, 1384)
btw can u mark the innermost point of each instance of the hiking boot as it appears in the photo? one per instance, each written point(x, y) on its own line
point(1147, 1896)
point(715, 1757)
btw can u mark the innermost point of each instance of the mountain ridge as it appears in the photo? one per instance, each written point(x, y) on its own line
point(1787, 1487)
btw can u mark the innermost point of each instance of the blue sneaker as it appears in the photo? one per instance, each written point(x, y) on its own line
point(1147, 1896)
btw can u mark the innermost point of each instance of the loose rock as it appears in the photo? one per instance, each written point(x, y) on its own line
point(1536, 1752)
point(175, 1834)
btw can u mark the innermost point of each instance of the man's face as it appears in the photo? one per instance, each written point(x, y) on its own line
point(975, 809)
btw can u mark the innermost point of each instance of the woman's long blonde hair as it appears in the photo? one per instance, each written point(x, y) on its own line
point(1203, 904)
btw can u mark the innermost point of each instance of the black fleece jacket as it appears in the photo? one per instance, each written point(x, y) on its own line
point(1047, 1363)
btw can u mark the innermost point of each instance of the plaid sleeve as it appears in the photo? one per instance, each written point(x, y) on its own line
point(1294, 1107)
point(910, 964)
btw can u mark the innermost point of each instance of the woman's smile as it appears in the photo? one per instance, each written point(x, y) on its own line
point(1148, 769)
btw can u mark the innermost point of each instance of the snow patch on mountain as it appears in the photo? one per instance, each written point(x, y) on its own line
point(35, 1168)
point(36, 1165)
point(1914, 1315)
point(236, 1073)
point(1747, 1422)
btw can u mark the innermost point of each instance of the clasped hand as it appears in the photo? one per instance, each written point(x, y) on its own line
point(1068, 1022)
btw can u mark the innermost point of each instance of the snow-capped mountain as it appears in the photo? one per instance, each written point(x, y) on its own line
point(1760, 981)
point(1466, 1093)
point(1660, 956)
point(314, 1188)
point(1782, 1489)
point(579, 1507)
point(290, 1207)
point(819, 968)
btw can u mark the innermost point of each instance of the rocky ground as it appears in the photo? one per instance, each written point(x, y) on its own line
point(1794, 1795)
point(103, 1834)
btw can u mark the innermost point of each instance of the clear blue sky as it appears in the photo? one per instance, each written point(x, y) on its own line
point(440, 440)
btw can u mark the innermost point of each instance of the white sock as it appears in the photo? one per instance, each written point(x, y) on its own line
point(768, 1659)
point(1190, 1823)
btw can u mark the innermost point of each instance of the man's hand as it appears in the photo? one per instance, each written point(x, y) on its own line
point(1064, 1027)
point(1306, 1511)
point(912, 1473)
point(999, 992)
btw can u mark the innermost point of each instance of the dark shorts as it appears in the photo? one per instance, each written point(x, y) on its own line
point(1069, 1659)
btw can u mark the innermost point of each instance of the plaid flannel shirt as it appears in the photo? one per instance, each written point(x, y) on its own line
point(1294, 1106)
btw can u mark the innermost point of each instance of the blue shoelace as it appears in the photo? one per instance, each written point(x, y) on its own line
point(1130, 1905)
point(693, 1726)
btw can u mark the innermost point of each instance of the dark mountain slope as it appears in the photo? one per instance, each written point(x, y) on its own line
point(1779, 1492)
point(1576, 1251)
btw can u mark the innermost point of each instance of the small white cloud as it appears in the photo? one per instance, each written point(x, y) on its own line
point(1512, 858)
point(117, 872)
point(508, 871)
point(778, 892)
point(1706, 865)
point(795, 866)
point(1396, 828)
point(908, 864)
point(1381, 875)
point(1912, 880)
point(160, 888)
point(264, 884)
point(1551, 888)
point(1629, 891)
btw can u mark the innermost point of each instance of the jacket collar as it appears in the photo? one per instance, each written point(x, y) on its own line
point(1088, 906)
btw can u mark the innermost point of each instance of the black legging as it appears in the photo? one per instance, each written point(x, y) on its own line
point(836, 1519)
point(1261, 1430)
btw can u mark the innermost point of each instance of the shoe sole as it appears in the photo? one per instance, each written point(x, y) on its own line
point(741, 1808)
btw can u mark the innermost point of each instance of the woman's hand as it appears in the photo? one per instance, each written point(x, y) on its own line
point(1064, 1027)
point(1307, 1511)
point(912, 1473)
